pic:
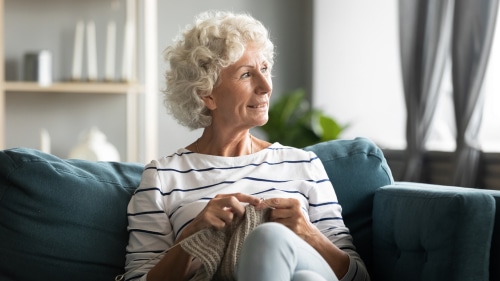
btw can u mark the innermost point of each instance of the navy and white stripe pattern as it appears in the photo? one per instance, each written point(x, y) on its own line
point(174, 189)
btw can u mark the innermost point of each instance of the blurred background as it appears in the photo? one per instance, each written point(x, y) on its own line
point(345, 55)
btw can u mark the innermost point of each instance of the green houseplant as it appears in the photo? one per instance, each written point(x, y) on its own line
point(293, 122)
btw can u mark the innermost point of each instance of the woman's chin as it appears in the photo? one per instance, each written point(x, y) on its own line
point(261, 122)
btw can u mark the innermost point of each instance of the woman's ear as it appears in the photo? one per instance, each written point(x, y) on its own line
point(209, 101)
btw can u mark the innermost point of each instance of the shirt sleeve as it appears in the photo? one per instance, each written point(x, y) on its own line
point(150, 231)
point(325, 213)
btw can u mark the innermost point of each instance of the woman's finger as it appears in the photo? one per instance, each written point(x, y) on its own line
point(284, 210)
point(221, 210)
point(242, 197)
point(282, 203)
point(234, 202)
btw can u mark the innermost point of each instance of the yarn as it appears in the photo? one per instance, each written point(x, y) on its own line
point(218, 250)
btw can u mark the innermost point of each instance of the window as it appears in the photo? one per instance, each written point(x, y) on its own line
point(357, 77)
point(489, 134)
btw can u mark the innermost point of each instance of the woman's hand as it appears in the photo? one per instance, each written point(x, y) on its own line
point(220, 212)
point(287, 211)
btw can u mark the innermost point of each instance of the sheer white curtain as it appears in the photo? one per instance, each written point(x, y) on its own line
point(443, 131)
point(473, 30)
point(489, 134)
point(425, 33)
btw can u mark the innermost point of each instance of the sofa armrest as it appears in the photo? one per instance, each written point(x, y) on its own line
point(430, 232)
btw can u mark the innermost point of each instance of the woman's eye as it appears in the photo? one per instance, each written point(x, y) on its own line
point(264, 69)
point(245, 75)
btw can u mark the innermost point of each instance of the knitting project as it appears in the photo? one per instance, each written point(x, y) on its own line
point(219, 250)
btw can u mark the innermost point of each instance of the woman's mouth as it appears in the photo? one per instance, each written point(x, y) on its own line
point(260, 105)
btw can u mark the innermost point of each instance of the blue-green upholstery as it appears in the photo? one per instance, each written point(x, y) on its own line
point(66, 219)
point(356, 168)
point(494, 252)
point(438, 233)
point(62, 220)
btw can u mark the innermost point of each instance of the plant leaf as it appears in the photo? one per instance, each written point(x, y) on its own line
point(293, 122)
point(331, 129)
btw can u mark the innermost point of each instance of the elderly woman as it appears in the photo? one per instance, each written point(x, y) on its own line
point(230, 206)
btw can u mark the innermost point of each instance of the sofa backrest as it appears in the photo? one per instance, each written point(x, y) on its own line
point(356, 168)
point(67, 218)
point(63, 218)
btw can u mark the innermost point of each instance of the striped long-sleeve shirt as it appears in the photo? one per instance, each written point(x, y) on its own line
point(174, 189)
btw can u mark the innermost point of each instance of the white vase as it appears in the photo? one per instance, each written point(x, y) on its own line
point(95, 147)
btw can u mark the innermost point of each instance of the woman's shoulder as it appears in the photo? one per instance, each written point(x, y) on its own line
point(290, 150)
point(182, 154)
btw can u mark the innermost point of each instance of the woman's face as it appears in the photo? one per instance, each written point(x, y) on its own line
point(241, 98)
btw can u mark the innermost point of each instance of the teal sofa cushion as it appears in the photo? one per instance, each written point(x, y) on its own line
point(61, 218)
point(432, 233)
point(495, 239)
point(356, 168)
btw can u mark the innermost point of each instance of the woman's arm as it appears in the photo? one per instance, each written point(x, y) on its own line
point(320, 223)
point(177, 264)
point(150, 230)
point(338, 260)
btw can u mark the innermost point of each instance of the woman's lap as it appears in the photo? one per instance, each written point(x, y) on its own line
point(273, 252)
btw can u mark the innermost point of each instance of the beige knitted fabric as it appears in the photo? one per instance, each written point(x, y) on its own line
point(218, 251)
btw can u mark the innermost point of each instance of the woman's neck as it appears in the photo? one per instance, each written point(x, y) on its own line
point(220, 144)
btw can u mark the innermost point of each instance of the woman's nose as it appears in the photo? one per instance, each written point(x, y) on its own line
point(265, 84)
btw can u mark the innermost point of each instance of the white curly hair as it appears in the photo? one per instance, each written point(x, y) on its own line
point(216, 40)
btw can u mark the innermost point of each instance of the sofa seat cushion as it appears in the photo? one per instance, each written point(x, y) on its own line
point(434, 232)
point(63, 218)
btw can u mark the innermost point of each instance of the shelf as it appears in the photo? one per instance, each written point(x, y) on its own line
point(74, 87)
point(141, 97)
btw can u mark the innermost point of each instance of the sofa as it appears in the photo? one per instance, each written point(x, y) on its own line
point(66, 219)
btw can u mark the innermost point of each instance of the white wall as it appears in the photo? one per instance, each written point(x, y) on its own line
point(356, 68)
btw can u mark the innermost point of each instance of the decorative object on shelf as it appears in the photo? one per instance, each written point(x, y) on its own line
point(85, 35)
point(129, 51)
point(91, 52)
point(44, 141)
point(109, 72)
point(76, 73)
point(292, 121)
point(38, 67)
point(95, 147)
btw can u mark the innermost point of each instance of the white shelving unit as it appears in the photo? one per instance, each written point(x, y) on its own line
point(142, 125)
